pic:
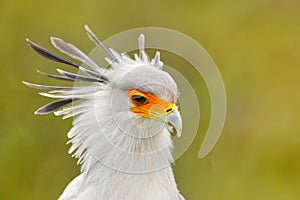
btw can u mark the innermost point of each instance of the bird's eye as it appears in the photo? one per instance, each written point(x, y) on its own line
point(138, 99)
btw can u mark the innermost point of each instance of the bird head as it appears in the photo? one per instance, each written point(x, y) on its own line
point(128, 108)
point(147, 96)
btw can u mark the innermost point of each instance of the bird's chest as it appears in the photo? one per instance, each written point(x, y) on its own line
point(133, 187)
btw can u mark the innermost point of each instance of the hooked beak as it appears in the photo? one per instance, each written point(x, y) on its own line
point(174, 121)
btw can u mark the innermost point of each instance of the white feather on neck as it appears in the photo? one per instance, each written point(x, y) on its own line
point(117, 163)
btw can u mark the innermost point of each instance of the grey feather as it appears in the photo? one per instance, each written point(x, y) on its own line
point(54, 106)
point(63, 96)
point(125, 55)
point(77, 77)
point(46, 87)
point(115, 53)
point(73, 52)
point(50, 55)
point(94, 38)
point(63, 78)
point(136, 57)
point(141, 42)
point(143, 55)
point(94, 74)
point(156, 61)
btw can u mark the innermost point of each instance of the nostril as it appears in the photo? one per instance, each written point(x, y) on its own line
point(169, 110)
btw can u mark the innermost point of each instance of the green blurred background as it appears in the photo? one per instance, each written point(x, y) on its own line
point(256, 46)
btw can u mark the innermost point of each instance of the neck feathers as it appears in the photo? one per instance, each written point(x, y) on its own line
point(116, 140)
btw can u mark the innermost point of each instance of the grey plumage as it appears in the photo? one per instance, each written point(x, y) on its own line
point(53, 106)
point(143, 56)
point(94, 38)
point(59, 44)
point(73, 52)
point(77, 77)
point(62, 78)
point(47, 87)
point(94, 75)
point(50, 55)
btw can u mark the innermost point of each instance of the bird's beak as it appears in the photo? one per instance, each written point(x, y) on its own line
point(174, 121)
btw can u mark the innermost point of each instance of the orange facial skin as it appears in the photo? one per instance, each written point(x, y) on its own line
point(152, 107)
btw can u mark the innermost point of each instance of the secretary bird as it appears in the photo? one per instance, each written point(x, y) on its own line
point(123, 118)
